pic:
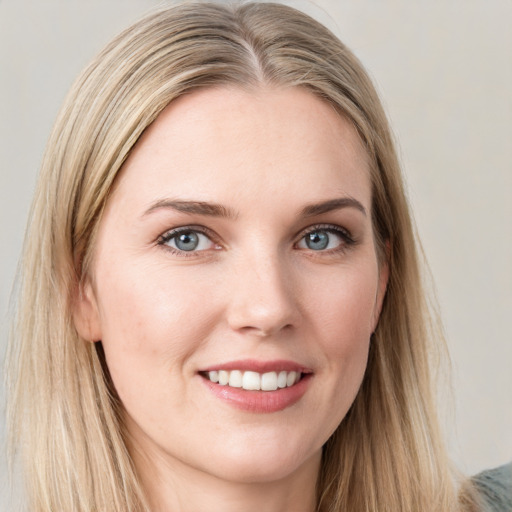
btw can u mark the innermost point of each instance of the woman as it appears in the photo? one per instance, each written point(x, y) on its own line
point(221, 304)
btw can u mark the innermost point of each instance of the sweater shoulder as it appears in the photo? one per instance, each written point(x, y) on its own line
point(495, 488)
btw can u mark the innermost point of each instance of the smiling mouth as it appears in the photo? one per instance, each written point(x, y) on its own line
point(254, 381)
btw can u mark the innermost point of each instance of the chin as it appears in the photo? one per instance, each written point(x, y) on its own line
point(265, 465)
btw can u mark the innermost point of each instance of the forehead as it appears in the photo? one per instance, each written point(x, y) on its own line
point(227, 144)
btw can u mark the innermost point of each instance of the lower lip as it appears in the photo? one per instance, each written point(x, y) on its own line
point(260, 401)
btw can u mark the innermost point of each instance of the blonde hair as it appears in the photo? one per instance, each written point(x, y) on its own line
point(387, 454)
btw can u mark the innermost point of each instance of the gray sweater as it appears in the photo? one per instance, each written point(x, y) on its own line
point(495, 487)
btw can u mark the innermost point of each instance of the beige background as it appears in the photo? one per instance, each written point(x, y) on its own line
point(444, 70)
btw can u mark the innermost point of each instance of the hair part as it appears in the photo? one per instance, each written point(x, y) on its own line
point(65, 417)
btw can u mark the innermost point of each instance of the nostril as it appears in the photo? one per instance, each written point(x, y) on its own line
point(264, 332)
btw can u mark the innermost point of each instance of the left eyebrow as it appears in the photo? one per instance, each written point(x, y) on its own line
point(193, 207)
point(332, 204)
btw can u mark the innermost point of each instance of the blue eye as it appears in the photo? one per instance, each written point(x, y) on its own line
point(325, 239)
point(186, 240)
point(317, 241)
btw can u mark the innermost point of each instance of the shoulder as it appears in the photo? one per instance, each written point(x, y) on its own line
point(495, 488)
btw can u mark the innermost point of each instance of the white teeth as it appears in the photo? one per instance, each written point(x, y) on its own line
point(223, 377)
point(254, 381)
point(269, 381)
point(251, 381)
point(235, 379)
point(290, 380)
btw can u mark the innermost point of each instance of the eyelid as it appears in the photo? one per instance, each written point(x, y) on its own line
point(173, 232)
point(162, 239)
point(346, 240)
point(333, 228)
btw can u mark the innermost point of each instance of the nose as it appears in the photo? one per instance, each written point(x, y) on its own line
point(262, 297)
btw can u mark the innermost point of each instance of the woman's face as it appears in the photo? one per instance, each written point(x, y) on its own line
point(237, 247)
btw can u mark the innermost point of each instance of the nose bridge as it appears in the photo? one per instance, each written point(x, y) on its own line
point(262, 296)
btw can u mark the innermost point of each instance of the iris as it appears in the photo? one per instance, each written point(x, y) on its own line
point(187, 241)
point(317, 241)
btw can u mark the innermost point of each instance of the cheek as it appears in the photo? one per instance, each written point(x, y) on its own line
point(142, 304)
point(344, 305)
point(343, 310)
point(150, 326)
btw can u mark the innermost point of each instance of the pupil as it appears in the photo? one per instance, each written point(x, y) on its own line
point(318, 240)
point(187, 241)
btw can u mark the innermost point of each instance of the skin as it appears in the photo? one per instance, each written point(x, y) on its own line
point(253, 289)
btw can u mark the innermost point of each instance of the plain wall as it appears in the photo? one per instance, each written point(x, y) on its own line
point(444, 71)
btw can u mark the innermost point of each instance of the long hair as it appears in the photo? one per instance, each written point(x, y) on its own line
point(64, 416)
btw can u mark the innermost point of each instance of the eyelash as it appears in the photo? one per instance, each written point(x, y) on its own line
point(173, 233)
point(346, 237)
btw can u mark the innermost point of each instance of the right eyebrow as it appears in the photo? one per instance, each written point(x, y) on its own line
point(193, 207)
point(312, 210)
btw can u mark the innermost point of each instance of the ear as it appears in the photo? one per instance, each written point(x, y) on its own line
point(85, 312)
point(381, 287)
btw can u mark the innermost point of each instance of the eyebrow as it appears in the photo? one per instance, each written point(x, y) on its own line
point(193, 207)
point(218, 210)
point(332, 204)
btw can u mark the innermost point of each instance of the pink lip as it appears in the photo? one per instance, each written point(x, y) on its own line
point(254, 365)
point(260, 401)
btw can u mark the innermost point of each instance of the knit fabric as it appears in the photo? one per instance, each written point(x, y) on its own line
point(495, 488)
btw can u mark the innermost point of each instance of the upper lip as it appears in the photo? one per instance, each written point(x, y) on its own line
point(259, 366)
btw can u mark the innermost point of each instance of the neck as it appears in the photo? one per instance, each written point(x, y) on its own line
point(174, 486)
